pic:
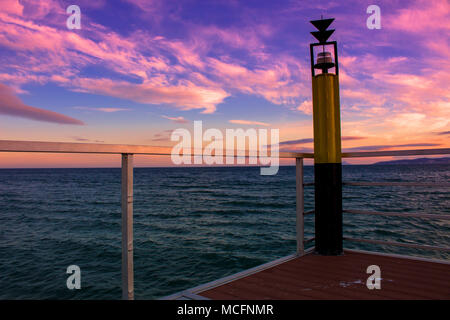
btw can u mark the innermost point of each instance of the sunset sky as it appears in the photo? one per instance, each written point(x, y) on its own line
point(139, 69)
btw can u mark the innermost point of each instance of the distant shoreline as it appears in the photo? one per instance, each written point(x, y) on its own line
point(444, 160)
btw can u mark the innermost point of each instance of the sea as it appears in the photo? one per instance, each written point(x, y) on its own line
point(191, 225)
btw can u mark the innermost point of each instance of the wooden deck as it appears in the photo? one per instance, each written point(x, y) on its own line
point(338, 277)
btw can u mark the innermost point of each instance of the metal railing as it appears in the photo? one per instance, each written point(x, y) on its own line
point(127, 153)
point(301, 241)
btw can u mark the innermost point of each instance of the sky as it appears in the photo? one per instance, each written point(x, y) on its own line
point(137, 70)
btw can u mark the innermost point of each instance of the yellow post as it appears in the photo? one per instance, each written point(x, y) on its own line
point(327, 143)
point(327, 121)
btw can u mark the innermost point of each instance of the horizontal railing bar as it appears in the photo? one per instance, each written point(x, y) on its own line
point(392, 243)
point(309, 240)
point(308, 212)
point(398, 184)
point(398, 214)
point(71, 147)
point(395, 153)
point(388, 184)
point(301, 154)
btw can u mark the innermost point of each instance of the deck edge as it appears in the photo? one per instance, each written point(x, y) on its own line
point(395, 255)
point(221, 281)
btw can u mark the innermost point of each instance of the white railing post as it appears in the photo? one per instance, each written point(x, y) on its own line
point(127, 227)
point(299, 205)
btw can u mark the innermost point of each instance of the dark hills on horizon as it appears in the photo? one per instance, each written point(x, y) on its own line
point(444, 160)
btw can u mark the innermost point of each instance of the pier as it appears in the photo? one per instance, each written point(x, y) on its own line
point(304, 274)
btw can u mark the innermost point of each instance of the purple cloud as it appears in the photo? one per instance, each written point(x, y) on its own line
point(310, 140)
point(12, 106)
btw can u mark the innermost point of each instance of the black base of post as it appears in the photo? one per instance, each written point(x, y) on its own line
point(328, 208)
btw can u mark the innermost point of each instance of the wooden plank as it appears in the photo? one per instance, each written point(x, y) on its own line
point(239, 275)
point(434, 262)
point(340, 277)
point(127, 227)
point(399, 278)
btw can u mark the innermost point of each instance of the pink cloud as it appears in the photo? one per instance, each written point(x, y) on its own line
point(194, 80)
point(176, 119)
point(80, 139)
point(187, 74)
point(422, 16)
point(12, 106)
point(250, 39)
point(146, 5)
point(305, 107)
point(107, 110)
point(278, 82)
point(41, 9)
point(250, 123)
point(185, 96)
point(186, 55)
point(12, 7)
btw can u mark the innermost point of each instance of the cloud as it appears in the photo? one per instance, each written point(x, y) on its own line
point(79, 139)
point(298, 141)
point(383, 147)
point(303, 149)
point(176, 119)
point(185, 96)
point(352, 138)
point(443, 133)
point(400, 71)
point(249, 123)
point(306, 107)
point(279, 81)
point(162, 136)
point(311, 140)
point(188, 69)
point(146, 5)
point(107, 110)
point(12, 106)
point(59, 55)
point(12, 7)
point(423, 16)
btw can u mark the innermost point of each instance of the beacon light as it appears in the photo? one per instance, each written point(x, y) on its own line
point(327, 141)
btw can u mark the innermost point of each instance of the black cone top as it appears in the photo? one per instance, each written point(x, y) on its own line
point(323, 34)
point(322, 24)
